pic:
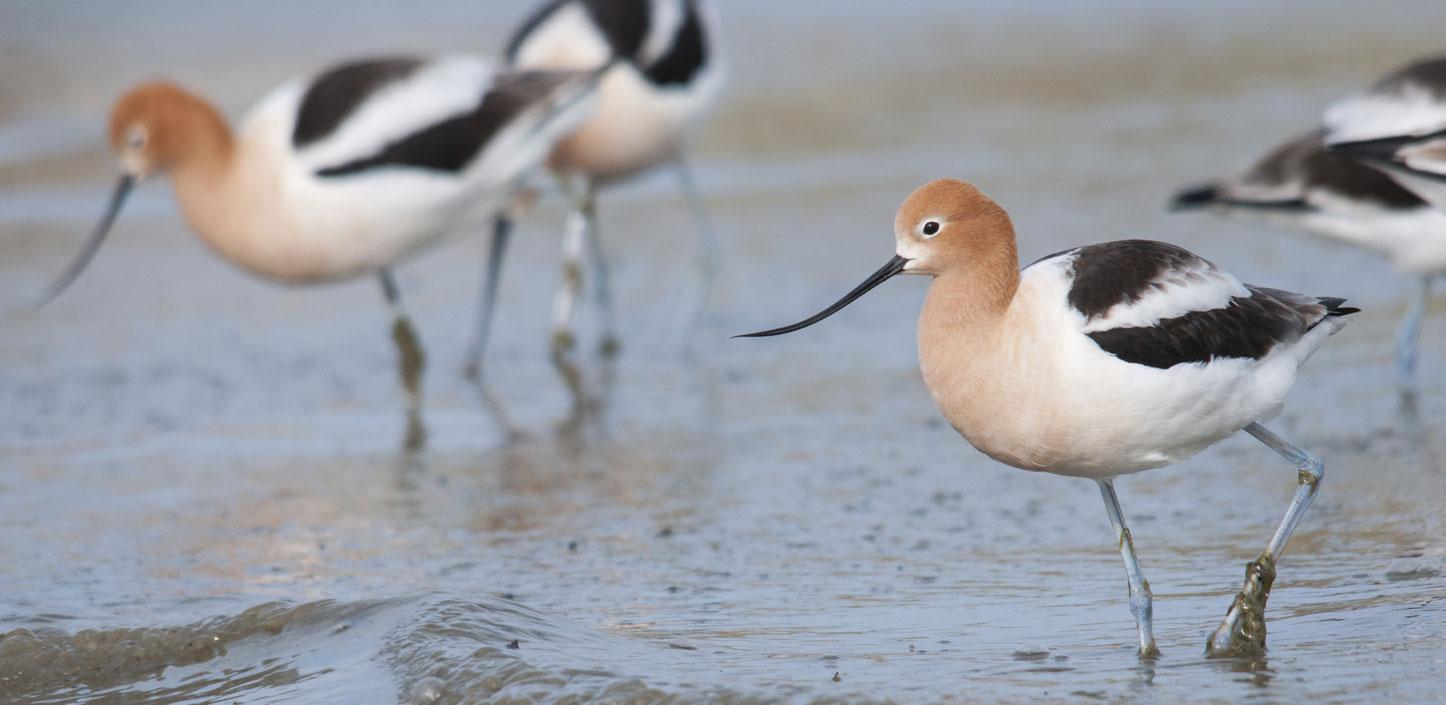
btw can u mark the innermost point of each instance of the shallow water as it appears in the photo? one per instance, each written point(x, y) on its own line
point(201, 497)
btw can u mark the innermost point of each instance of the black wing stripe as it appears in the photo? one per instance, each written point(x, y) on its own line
point(1121, 272)
point(1300, 166)
point(1385, 151)
point(625, 23)
point(1319, 168)
point(451, 145)
point(1248, 327)
point(336, 94)
point(1212, 195)
point(687, 55)
point(1426, 73)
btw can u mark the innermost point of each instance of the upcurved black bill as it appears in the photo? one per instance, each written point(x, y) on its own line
point(117, 198)
point(894, 266)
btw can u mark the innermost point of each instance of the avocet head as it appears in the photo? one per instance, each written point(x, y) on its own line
point(943, 225)
point(948, 223)
point(154, 127)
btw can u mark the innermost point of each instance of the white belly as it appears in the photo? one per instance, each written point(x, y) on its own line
point(1097, 416)
point(1415, 240)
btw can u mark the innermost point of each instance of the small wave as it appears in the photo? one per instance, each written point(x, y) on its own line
point(430, 650)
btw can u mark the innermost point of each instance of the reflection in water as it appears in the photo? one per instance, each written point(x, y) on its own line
point(1253, 670)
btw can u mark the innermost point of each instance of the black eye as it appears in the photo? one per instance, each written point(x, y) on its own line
point(931, 228)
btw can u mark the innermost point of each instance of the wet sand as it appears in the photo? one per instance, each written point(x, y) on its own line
point(202, 498)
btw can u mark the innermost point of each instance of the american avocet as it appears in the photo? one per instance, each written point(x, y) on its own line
point(347, 172)
point(1399, 126)
point(1102, 361)
point(1302, 186)
point(668, 78)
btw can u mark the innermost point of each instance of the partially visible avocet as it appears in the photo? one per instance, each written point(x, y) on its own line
point(1398, 126)
point(347, 172)
point(666, 77)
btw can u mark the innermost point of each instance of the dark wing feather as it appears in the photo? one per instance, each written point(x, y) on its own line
point(452, 144)
point(686, 56)
point(336, 94)
point(1284, 179)
point(1121, 272)
point(1248, 327)
point(1428, 74)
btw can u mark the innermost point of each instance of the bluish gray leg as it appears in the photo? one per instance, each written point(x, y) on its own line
point(602, 276)
point(501, 234)
point(564, 302)
point(1242, 633)
point(707, 258)
point(1408, 337)
point(411, 361)
point(1141, 601)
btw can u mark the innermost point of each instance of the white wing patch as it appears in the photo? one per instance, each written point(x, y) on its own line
point(568, 39)
point(1196, 286)
point(1408, 110)
point(1261, 192)
point(439, 90)
point(667, 18)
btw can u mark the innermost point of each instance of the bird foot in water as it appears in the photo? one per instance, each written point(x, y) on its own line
point(1242, 633)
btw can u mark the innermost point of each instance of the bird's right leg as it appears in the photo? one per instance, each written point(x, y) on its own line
point(564, 301)
point(411, 361)
point(1407, 340)
point(1242, 633)
point(1141, 601)
point(609, 346)
point(520, 201)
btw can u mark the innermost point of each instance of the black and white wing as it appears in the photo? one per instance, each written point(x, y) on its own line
point(1418, 163)
point(437, 116)
point(1302, 176)
point(1408, 102)
point(668, 41)
point(1154, 304)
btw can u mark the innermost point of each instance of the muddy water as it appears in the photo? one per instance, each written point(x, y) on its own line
point(202, 500)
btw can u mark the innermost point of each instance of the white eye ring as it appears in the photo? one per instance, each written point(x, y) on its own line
point(929, 228)
point(136, 137)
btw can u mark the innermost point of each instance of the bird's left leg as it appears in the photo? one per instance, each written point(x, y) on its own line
point(1242, 633)
point(707, 258)
point(411, 361)
point(602, 276)
point(1408, 341)
point(519, 203)
point(564, 301)
point(1141, 600)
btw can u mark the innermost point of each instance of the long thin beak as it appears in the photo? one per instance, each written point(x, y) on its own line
point(886, 272)
point(117, 198)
